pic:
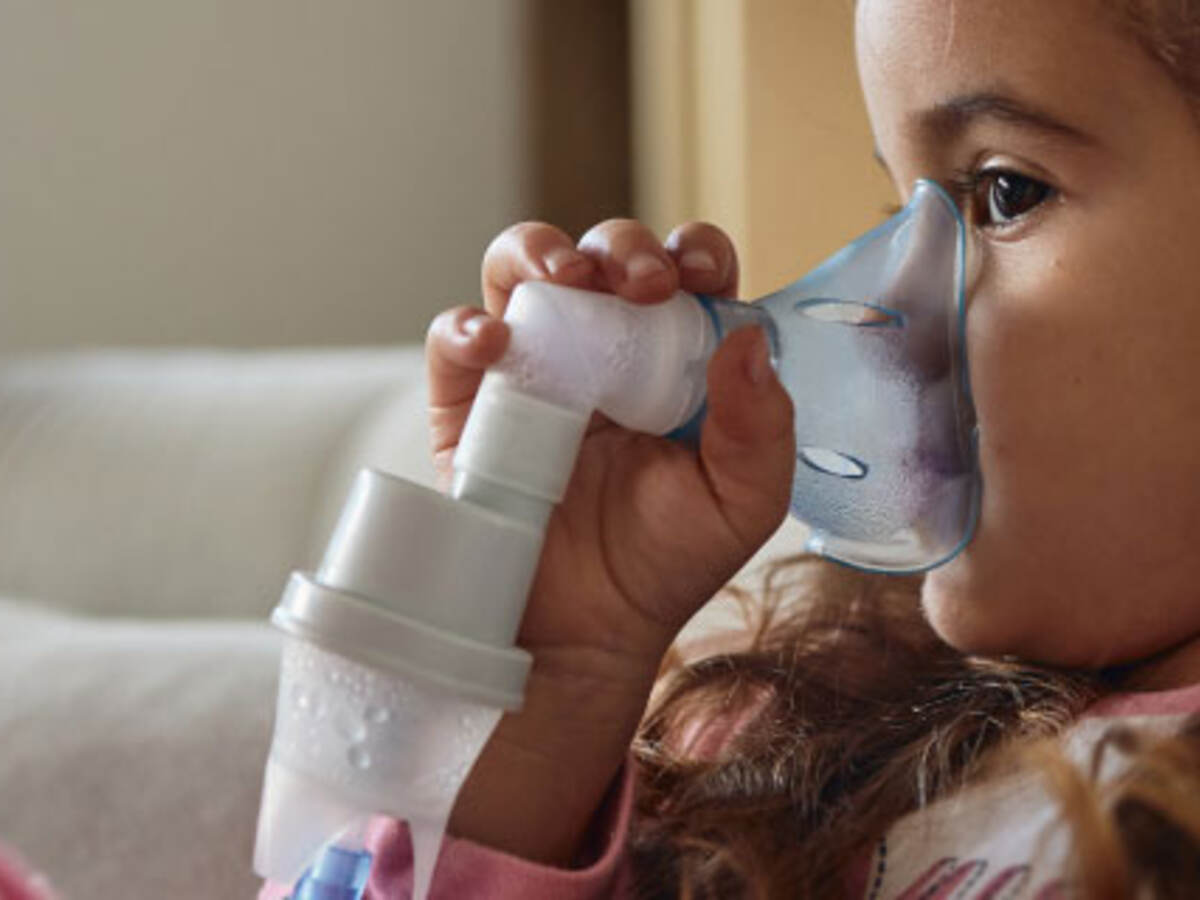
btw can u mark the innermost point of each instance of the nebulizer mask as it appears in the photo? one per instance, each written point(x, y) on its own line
point(871, 346)
point(400, 653)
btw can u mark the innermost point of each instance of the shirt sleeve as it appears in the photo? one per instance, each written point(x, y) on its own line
point(466, 869)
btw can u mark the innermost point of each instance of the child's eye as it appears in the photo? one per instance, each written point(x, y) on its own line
point(1009, 195)
point(998, 197)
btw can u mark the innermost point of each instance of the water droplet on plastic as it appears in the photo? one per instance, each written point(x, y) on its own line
point(301, 698)
point(377, 715)
point(359, 757)
point(349, 726)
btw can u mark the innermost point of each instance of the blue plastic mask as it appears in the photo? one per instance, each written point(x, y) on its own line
point(871, 346)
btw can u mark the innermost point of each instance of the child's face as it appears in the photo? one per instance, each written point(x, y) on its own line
point(1084, 328)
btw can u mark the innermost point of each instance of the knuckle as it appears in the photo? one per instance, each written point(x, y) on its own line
point(445, 322)
point(516, 252)
point(699, 232)
point(618, 237)
point(534, 237)
point(531, 232)
point(510, 239)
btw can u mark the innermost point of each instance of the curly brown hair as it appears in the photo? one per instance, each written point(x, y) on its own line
point(859, 715)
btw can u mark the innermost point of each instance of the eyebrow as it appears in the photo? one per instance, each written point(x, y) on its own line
point(948, 119)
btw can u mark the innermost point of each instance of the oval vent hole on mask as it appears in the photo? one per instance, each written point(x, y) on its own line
point(849, 312)
point(831, 462)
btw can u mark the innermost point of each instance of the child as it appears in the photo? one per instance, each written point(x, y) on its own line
point(890, 737)
point(846, 752)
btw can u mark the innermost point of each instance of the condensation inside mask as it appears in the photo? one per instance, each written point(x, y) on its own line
point(871, 347)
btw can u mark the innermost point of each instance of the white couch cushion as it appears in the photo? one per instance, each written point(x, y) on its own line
point(132, 751)
point(168, 483)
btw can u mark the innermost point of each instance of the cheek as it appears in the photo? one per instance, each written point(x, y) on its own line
point(1040, 377)
point(1090, 451)
point(1030, 380)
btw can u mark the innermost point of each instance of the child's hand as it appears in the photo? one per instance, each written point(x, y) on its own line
point(649, 529)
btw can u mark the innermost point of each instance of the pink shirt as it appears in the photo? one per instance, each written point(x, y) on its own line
point(998, 838)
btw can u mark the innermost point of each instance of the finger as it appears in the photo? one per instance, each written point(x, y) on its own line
point(747, 445)
point(706, 259)
point(460, 345)
point(630, 261)
point(531, 251)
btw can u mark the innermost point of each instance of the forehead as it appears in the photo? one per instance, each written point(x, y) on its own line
point(979, 34)
point(1066, 56)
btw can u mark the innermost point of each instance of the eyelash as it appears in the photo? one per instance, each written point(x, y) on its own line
point(972, 187)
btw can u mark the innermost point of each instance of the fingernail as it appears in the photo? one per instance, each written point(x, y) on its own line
point(758, 363)
point(473, 326)
point(644, 265)
point(562, 258)
point(699, 261)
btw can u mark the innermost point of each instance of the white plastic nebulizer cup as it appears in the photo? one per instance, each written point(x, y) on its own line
point(399, 661)
point(352, 740)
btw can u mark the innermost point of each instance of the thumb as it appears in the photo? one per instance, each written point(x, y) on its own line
point(747, 443)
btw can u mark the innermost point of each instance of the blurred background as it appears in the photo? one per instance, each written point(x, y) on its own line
point(290, 172)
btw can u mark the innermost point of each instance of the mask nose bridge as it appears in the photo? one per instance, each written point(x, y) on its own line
point(920, 266)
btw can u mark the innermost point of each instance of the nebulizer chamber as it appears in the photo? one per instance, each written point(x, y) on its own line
point(400, 653)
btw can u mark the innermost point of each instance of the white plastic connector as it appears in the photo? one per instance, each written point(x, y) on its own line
point(642, 365)
point(574, 352)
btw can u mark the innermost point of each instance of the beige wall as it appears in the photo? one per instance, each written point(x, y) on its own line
point(295, 171)
point(747, 113)
point(264, 172)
